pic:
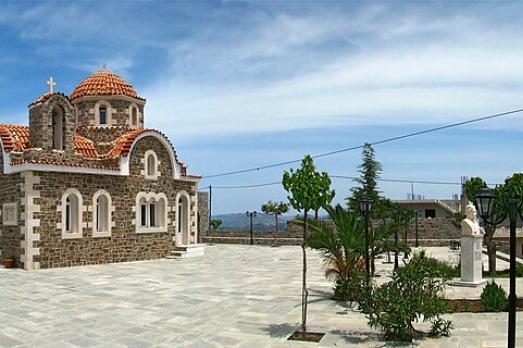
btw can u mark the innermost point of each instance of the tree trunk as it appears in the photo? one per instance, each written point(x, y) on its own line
point(491, 248)
point(316, 214)
point(304, 291)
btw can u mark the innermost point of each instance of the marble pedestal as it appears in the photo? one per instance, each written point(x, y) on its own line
point(471, 261)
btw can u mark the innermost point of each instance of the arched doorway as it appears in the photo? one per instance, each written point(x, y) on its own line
point(182, 219)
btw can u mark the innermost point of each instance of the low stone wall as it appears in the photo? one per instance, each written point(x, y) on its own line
point(247, 240)
point(257, 240)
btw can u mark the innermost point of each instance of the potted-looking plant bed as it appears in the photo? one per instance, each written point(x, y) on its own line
point(9, 263)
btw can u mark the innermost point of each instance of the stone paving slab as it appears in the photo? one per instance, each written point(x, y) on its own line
point(234, 296)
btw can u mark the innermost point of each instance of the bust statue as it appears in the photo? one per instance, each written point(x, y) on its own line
point(470, 225)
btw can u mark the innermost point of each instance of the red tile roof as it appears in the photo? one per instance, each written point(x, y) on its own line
point(16, 138)
point(103, 82)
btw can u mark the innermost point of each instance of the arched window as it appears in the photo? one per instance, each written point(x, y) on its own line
point(102, 211)
point(58, 128)
point(134, 116)
point(72, 214)
point(103, 113)
point(151, 165)
point(151, 213)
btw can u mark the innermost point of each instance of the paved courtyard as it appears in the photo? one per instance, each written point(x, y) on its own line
point(234, 296)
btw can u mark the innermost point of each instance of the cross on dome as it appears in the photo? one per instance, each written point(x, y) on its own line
point(51, 84)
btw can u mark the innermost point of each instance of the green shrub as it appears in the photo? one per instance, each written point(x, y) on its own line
point(519, 270)
point(411, 296)
point(439, 268)
point(349, 288)
point(494, 298)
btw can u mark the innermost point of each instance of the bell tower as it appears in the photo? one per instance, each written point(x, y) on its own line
point(52, 122)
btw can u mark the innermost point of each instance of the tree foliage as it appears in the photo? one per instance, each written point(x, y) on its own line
point(367, 184)
point(309, 189)
point(275, 208)
point(216, 223)
point(412, 295)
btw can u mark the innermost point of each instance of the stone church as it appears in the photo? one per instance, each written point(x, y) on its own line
point(87, 183)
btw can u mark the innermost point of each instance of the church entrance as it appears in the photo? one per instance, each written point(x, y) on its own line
point(182, 218)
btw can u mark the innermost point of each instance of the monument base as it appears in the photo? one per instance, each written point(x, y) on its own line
point(469, 284)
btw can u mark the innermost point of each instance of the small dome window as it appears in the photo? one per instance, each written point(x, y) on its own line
point(103, 114)
point(134, 116)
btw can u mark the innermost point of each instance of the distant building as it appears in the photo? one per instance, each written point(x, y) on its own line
point(432, 208)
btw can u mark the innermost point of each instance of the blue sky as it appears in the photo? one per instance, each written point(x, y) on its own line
point(242, 84)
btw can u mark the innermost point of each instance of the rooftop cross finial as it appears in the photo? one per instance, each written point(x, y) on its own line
point(51, 84)
point(104, 66)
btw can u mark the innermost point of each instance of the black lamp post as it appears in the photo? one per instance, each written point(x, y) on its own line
point(251, 214)
point(365, 207)
point(417, 229)
point(397, 212)
point(485, 202)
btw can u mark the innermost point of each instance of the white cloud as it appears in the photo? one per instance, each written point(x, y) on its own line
point(433, 85)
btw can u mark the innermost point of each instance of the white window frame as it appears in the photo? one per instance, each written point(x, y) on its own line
point(156, 172)
point(6, 219)
point(131, 107)
point(78, 221)
point(159, 201)
point(108, 214)
point(97, 113)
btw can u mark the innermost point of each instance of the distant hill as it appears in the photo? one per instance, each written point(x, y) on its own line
point(262, 222)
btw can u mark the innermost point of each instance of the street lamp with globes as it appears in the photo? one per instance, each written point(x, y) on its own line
point(485, 201)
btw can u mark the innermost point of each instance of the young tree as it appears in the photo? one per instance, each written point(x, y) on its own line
point(215, 224)
point(367, 186)
point(308, 190)
point(276, 209)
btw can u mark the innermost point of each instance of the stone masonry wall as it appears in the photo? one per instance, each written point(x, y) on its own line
point(10, 236)
point(124, 244)
point(120, 112)
point(203, 215)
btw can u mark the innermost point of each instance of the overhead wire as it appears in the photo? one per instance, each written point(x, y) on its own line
point(378, 142)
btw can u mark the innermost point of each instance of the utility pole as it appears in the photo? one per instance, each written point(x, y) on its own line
point(210, 205)
point(251, 214)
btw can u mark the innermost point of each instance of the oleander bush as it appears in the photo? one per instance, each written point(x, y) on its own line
point(413, 295)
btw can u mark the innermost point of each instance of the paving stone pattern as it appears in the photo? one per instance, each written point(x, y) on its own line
point(234, 296)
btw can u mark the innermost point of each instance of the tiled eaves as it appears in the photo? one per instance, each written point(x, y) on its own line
point(16, 138)
point(68, 164)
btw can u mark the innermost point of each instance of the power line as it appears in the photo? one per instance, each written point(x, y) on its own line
point(247, 186)
point(405, 181)
point(378, 142)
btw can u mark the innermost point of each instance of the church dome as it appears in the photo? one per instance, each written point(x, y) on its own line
point(103, 83)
